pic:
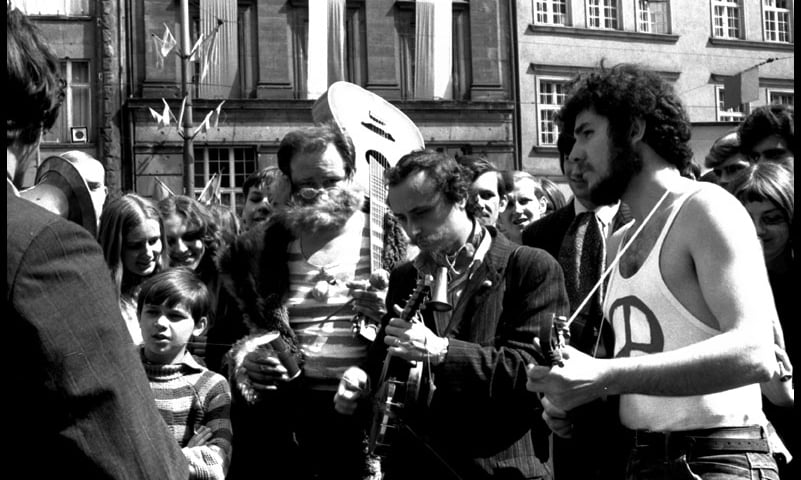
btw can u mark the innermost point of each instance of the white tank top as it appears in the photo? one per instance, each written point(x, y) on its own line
point(647, 318)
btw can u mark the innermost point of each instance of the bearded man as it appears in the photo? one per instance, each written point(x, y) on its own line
point(303, 274)
point(689, 302)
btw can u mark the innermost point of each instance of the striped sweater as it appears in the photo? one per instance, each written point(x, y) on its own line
point(189, 396)
point(323, 327)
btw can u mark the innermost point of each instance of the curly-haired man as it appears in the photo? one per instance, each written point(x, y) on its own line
point(689, 302)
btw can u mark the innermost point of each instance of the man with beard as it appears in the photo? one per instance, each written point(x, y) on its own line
point(591, 427)
point(480, 422)
point(303, 273)
point(689, 301)
point(487, 188)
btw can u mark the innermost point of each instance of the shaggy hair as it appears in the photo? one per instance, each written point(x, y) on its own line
point(628, 92)
point(766, 121)
point(450, 178)
point(315, 140)
point(766, 181)
point(198, 218)
point(34, 89)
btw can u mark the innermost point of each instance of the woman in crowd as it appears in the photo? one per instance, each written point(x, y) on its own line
point(766, 190)
point(133, 239)
point(193, 239)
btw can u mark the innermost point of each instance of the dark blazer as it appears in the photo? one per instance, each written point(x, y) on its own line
point(481, 416)
point(77, 397)
point(597, 434)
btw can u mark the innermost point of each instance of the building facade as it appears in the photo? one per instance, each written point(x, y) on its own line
point(695, 44)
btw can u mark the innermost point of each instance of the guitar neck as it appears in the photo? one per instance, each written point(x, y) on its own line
point(378, 209)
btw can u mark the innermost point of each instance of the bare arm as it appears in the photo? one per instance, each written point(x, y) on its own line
point(735, 297)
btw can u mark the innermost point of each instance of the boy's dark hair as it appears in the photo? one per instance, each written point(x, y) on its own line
point(314, 140)
point(450, 178)
point(628, 92)
point(35, 89)
point(478, 165)
point(723, 149)
point(176, 286)
point(765, 121)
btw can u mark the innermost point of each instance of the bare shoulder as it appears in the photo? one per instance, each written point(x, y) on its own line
point(712, 212)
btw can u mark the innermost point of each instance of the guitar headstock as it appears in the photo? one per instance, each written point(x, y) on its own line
point(417, 297)
point(554, 335)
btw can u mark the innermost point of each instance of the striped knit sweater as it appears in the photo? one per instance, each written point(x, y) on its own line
point(322, 325)
point(189, 396)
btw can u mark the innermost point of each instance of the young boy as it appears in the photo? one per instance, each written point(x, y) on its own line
point(194, 401)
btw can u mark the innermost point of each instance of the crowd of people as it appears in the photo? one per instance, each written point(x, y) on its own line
point(641, 328)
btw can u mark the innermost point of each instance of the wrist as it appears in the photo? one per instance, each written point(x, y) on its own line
point(441, 352)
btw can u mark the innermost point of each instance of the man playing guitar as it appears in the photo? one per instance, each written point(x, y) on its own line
point(474, 418)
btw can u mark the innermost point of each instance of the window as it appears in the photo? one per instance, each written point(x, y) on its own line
point(233, 164)
point(355, 61)
point(602, 14)
point(551, 93)
point(729, 114)
point(776, 14)
point(76, 111)
point(551, 12)
point(461, 63)
point(726, 18)
point(652, 17)
point(783, 97)
point(53, 7)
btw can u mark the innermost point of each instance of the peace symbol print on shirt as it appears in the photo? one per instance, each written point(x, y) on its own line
point(642, 332)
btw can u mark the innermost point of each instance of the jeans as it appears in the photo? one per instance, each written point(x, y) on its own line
point(679, 460)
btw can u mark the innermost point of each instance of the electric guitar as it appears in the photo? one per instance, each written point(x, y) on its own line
point(381, 135)
point(399, 393)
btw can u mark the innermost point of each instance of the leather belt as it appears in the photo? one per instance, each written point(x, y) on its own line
point(723, 439)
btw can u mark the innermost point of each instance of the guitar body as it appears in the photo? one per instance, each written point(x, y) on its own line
point(401, 387)
point(381, 135)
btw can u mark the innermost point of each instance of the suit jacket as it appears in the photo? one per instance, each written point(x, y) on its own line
point(597, 434)
point(548, 232)
point(77, 397)
point(481, 416)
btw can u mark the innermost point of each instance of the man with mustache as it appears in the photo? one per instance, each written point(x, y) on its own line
point(303, 273)
point(480, 422)
point(689, 302)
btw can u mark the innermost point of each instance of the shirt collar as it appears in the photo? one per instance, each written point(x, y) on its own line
point(187, 361)
point(605, 213)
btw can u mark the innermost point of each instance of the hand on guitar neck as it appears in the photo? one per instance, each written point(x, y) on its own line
point(411, 340)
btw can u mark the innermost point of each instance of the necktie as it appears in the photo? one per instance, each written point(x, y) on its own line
point(582, 257)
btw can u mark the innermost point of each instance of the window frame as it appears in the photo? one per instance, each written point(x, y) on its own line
point(231, 180)
point(726, 29)
point(788, 32)
point(770, 92)
point(550, 12)
point(63, 9)
point(649, 25)
point(602, 7)
point(65, 120)
point(728, 115)
point(549, 107)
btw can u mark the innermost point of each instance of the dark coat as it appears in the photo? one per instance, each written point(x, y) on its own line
point(481, 416)
point(78, 398)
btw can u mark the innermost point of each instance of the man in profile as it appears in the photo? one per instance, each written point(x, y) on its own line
point(81, 404)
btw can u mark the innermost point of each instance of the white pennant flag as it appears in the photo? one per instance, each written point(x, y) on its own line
point(181, 114)
point(216, 112)
point(204, 125)
point(162, 119)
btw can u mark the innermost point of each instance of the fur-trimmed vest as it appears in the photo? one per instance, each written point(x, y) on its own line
point(254, 269)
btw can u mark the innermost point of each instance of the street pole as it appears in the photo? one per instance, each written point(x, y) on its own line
point(189, 153)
